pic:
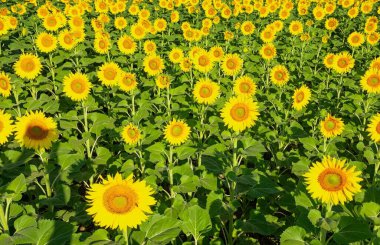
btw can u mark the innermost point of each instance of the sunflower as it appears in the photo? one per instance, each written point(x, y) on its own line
point(176, 132)
point(353, 12)
point(160, 24)
point(35, 130)
point(5, 84)
point(373, 38)
point(374, 128)
point(76, 22)
point(375, 64)
point(127, 81)
point(109, 74)
point(240, 113)
point(4, 26)
point(355, 39)
point(268, 51)
point(295, 27)
point(120, 203)
point(206, 91)
point(28, 66)
point(6, 127)
point(203, 62)
point(162, 81)
point(343, 62)
point(176, 55)
point(51, 22)
point(67, 40)
point(153, 65)
point(102, 45)
point(217, 53)
point(247, 28)
point(186, 64)
point(76, 86)
point(279, 75)
point(131, 134)
point(46, 42)
point(331, 24)
point(138, 31)
point(126, 45)
point(245, 86)
point(267, 35)
point(120, 23)
point(301, 97)
point(332, 181)
point(232, 64)
point(328, 61)
point(331, 126)
point(149, 47)
point(370, 82)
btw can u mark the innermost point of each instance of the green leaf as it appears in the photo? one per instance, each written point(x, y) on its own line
point(160, 229)
point(103, 155)
point(99, 237)
point(196, 221)
point(309, 143)
point(293, 236)
point(258, 223)
point(371, 210)
point(314, 216)
point(183, 152)
point(208, 181)
point(16, 187)
point(351, 230)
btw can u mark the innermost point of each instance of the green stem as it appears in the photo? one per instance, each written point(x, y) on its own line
point(133, 103)
point(85, 118)
point(125, 234)
point(170, 171)
point(4, 220)
point(232, 193)
point(168, 101)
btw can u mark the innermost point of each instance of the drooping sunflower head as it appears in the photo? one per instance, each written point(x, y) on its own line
point(127, 81)
point(245, 86)
point(5, 84)
point(240, 113)
point(370, 82)
point(232, 64)
point(6, 127)
point(153, 64)
point(343, 62)
point(120, 203)
point(355, 39)
point(36, 131)
point(331, 126)
point(268, 51)
point(374, 128)
point(279, 75)
point(301, 97)
point(131, 134)
point(46, 42)
point(109, 74)
point(126, 45)
point(176, 55)
point(28, 66)
point(76, 86)
point(332, 181)
point(206, 91)
point(176, 132)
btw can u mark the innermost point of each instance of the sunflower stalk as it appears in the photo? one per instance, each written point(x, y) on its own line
point(232, 192)
point(86, 129)
point(4, 217)
point(126, 237)
point(170, 171)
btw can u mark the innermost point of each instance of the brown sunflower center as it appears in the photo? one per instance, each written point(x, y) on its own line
point(244, 87)
point(378, 128)
point(176, 130)
point(330, 125)
point(300, 96)
point(110, 73)
point(47, 41)
point(37, 132)
point(355, 39)
point(78, 86)
point(119, 199)
point(268, 51)
point(205, 92)
point(239, 112)
point(128, 81)
point(332, 179)
point(52, 21)
point(1, 126)
point(1, 25)
point(153, 64)
point(68, 39)
point(4, 83)
point(127, 43)
point(102, 44)
point(231, 64)
point(132, 133)
point(203, 61)
point(279, 75)
point(139, 31)
point(176, 56)
point(342, 63)
point(28, 65)
point(247, 28)
point(373, 80)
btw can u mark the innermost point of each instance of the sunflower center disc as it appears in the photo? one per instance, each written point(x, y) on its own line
point(378, 128)
point(244, 87)
point(300, 96)
point(279, 75)
point(153, 65)
point(374, 81)
point(203, 61)
point(239, 112)
point(330, 125)
point(37, 133)
point(109, 74)
point(131, 133)
point(1, 126)
point(127, 44)
point(268, 51)
point(128, 81)
point(3, 83)
point(52, 22)
point(177, 130)
point(28, 65)
point(333, 180)
point(119, 199)
point(120, 202)
point(231, 64)
point(205, 92)
point(342, 63)
point(47, 41)
point(102, 44)
point(77, 87)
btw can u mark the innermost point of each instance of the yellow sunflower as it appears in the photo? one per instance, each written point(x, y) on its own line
point(247, 28)
point(331, 126)
point(240, 113)
point(279, 75)
point(295, 27)
point(102, 44)
point(5, 84)
point(206, 91)
point(127, 81)
point(35, 130)
point(176, 55)
point(331, 24)
point(245, 86)
point(109, 74)
point(203, 62)
point(162, 81)
point(176, 132)
point(120, 23)
point(355, 39)
point(28, 66)
point(268, 51)
point(138, 31)
point(149, 47)
point(374, 128)
point(301, 97)
point(267, 35)
point(375, 64)
point(328, 61)
point(186, 64)
point(126, 45)
point(332, 181)
point(67, 40)
point(370, 82)
point(232, 64)
point(153, 65)
point(343, 62)
point(120, 203)
point(373, 38)
point(76, 86)
point(6, 127)
point(217, 53)
point(131, 134)
point(51, 22)
point(46, 42)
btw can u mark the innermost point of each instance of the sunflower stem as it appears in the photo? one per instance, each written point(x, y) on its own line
point(232, 192)
point(85, 118)
point(168, 101)
point(4, 219)
point(133, 103)
point(125, 234)
point(170, 171)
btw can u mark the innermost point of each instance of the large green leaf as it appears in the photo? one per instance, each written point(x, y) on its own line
point(195, 221)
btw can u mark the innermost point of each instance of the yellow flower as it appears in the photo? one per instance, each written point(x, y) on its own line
point(102, 45)
point(328, 61)
point(355, 39)
point(160, 24)
point(217, 53)
point(119, 203)
point(35, 130)
point(6, 127)
point(268, 51)
point(153, 64)
point(301, 97)
point(28, 66)
point(232, 64)
point(176, 132)
point(375, 64)
point(162, 81)
point(267, 35)
point(295, 27)
point(76, 86)
point(244, 86)
point(203, 62)
point(127, 81)
point(247, 28)
point(240, 113)
point(76, 22)
point(149, 47)
point(138, 31)
point(206, 91)
point(51, 23)
point(46, 42)
point(120, 23)
point(109, 74)
point(186, 64)
point(131, 134)
point(67, 40)
point(370, 82)
point(332, 181)
point(176, 55)
point(343, 62)
point(331, 126)
point(331, 24)
point(319, 13)
point(5, 84)
point(373, 38)
point(279, 75)
point(126, 45)
point(374, 128)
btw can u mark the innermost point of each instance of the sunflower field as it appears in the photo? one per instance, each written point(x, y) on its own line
point(190, 122)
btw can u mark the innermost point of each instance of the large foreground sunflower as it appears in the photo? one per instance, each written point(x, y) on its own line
point(28, 66)
point(331, 126)
point(374, 128)
point(240, 113)
point(120, 203)
point(76, 86)
point(177, 132)
point(6, 127)
point(36, 131)
point(332, 182)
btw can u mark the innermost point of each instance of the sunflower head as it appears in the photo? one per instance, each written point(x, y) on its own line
point(343, 62)
point(131, 134)
point(126, 45)
point(370, 82)
point(301, 97)
point(46, 42)
point(163, 81)
point(109, 74)
point(268, 51)
point(206, 91)
point(6, 127)
point(374, 128)
point(176, 55)
point(355, 39)
point(5, 84)
point(127, 81)
point(153, 64)
point(279, 75)
point(232, 64)
point(28, 66)
point(76, 86)
point(176, 132)
point(331, 126)
point(245, 86)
